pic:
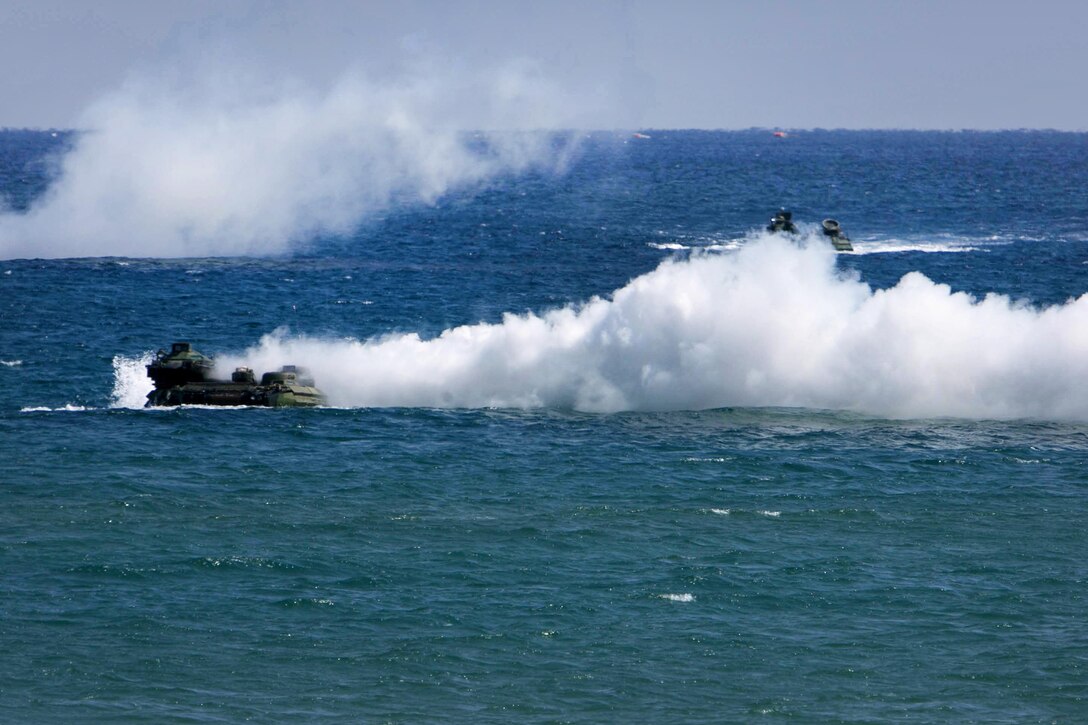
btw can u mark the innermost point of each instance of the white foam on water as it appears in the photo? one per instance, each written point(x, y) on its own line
point(726, 246)
point(932, 244)
point(130, 381)
point(894, 247)
point(69, 408)
point(775, 323)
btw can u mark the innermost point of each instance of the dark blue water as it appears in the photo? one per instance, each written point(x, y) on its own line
point(660, 560)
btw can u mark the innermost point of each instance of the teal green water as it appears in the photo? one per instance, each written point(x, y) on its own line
point(549, 563)
point(427, 566)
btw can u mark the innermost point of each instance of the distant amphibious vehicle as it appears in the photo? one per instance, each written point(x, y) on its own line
point(782, 222)
point(839, 240)
point(183, 376)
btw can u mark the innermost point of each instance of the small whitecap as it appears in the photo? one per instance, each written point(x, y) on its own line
point(685, 597)
point(11, 363)
point(770, 513)
point(720, 512)
point(69, 408)
point(307, 602)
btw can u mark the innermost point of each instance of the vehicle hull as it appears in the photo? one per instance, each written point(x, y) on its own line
point(184, 377)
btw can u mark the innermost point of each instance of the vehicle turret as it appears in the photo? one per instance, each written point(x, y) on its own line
point(181, 365)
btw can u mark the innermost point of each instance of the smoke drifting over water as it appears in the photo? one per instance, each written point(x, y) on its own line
point(774, 324)
point(232, 165)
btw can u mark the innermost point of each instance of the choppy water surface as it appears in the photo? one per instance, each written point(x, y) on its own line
point(696, 498)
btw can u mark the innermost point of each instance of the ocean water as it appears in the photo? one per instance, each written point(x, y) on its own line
point(597, 447)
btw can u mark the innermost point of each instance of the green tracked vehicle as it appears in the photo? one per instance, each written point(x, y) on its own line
point(838, 238)
point(183, 376)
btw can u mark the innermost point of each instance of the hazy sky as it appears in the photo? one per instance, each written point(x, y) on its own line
point(944, 64)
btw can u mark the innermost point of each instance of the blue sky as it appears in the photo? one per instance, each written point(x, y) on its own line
point(946, 64)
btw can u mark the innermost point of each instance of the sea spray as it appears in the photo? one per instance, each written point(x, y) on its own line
point(774, 324)
point(228, 164)
point(130, 381)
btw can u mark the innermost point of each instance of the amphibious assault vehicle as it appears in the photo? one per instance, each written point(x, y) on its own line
point(782, 221)
point(183, 376)
point(838, 238)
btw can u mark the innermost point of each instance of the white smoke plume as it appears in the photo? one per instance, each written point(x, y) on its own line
point(774, 324)
point(227, 163)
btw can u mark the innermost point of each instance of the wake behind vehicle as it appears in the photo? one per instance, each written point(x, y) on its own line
point(183, 376)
